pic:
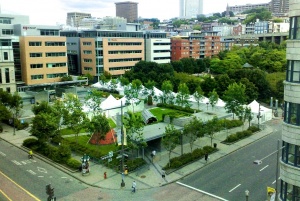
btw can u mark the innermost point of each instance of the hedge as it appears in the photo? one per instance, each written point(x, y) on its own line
point(241, 134)
point(176, 107)
point(186, 158)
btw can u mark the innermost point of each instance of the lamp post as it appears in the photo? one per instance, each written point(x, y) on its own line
point(247, 194)
point(258, 115)
point(207, 105)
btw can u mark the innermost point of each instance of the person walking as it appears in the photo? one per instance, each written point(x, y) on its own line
point(133, 187)
point(206, 157)
point(153, 153)
point(163, 174)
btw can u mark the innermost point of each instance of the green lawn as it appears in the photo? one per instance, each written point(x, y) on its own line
point(83, 141)
point(158, 112)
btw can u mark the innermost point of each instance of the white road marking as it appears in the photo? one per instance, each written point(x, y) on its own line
point(263, 168)
point(40, 176)
point(16, 162)
point(201, 191)
point(31, 172)
point(64, 177)
point(234, 188)
point(274, 182)
point(23, 162)
point(42, 169)
point(2, 154)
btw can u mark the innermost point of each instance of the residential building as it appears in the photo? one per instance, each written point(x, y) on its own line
point(238, 29)
point(128, 10)
point(43, 59)
point(157, 47)
point(279, 7)
point(250, 28)
point(190, 8)
point(180, 47)
point(290, 157)
point(74, 18)
point(241, 8)
point(223, 29)
point(7, 71)
point(280, 27)
point(261, 27)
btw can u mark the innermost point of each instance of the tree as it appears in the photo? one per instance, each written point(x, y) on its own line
point(99, 126)
point(134, 126)
point(44, 126)
point(43, 107)
point(15, 106)
point(248, 115)
point(112, 86)
point(132, 93)
point(198, 96)
point(167, 89)
point(234, 97)
point(213, 98)
point(149, 90)
point(211, 127)
point(170, 139)
point(183, 95)
point(193, 130)
point(93, 101)
point(74, 117)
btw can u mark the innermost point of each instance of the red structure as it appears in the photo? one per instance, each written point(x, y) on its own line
point(110, 138)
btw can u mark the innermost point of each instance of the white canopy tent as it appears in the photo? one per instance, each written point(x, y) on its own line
point(265, 113)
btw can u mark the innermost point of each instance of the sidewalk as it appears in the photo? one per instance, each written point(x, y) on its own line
point(149, 176)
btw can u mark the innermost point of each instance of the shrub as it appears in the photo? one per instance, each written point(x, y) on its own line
point(133, 164)
point(1, 129)
point(57, 139)
point(253, 129)
point(30, 142)
point(73, 163)
point(63, 153)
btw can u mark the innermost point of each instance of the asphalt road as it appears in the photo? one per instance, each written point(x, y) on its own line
point(33, 174)
point(230, 176)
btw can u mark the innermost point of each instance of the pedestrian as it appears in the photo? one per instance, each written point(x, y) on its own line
point(133, 187)
point(163, 174)
point(206, 157)
point(153, 153)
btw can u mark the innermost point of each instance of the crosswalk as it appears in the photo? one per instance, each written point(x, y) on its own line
point(2, 154)
point(24, 162)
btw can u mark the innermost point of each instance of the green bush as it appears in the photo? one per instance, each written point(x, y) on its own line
point(253, 129)
point(30, 142)
point(1, 129)
point(73, 163)
point(57, 139)
point(63, 153)
point(240, 135)
point(135, 163)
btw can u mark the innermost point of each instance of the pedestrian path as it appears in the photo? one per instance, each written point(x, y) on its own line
point(150, 175)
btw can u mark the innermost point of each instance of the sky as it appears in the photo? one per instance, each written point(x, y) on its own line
point(53, 12)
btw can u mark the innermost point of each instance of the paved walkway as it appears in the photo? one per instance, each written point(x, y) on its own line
point(149, 176)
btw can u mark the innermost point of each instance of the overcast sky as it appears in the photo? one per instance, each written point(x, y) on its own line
point(50, 12)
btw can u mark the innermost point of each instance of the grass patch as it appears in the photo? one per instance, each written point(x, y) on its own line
point(67, 131)
point(160, 112)
point(112, 124)
point(83, 142)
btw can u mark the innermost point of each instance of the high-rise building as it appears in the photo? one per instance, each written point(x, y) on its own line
point(190, 8)
point(290, 159)
point(74, 18)
point(279, 7)
point(128, 10)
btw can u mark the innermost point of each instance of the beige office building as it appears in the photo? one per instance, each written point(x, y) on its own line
point(43, 59)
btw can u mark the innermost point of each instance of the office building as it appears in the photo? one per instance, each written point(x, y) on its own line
point(74, 18)
point(289, 186)
point(190, 8)
point(128, 10)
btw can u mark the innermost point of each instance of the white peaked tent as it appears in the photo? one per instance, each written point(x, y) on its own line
point(110, 103)
point(265, 113)
point(220, 103)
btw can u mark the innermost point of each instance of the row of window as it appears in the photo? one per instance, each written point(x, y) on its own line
point(87, 52)
point(125, 52)
point(124, 60)
point(88, 68)
point(5, 21)
point(48, 32)
point(293, 71)
point(159, 51)
point(5, 42)
point(94, 34)
point(7, 80)
point(121, 68)
point(38, 43)
point(87, 44)
point(7, 32)
point(87, 60)
point(161, 58)
point(160, 44)
point(292, 113)
point(295, 27)
point(54, 75)
point(124, 43)
point(291, 154)
point(289, 192)
point(48, 54)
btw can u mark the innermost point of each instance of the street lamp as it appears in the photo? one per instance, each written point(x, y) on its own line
point(207, 105)
point(122, 141)
point(247, 194)
point(258, 115)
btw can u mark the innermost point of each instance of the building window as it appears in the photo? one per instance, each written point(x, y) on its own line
point(87, 52)
point(291, 154)
point(87, 44)
point(46, 32)
point(88, 69)
point(37, 77)
point(5, 56)
point(7, 75)
point(5, 42)
point(5, 21)
point(291, 114)
point(295, 28)
point(56, 75)
point(54, 65)
point(293, 71)
point(289, 192)
point(35, 43)
point(87, 60)
point(8, 89)
point(7, 32)
point(55, 44)
point(36, 65)
point(55, 54)
point(35, 54)
point(124, 44)
point(124, 60)
point(0, 76)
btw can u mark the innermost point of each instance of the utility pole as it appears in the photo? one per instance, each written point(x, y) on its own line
point(122, 151)
point(277, 170)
